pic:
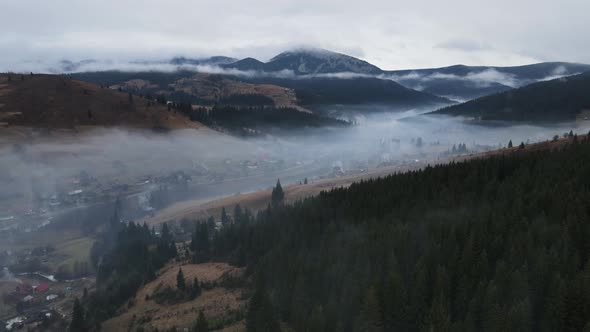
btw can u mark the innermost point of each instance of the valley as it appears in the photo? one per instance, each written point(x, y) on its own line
point(113, 181)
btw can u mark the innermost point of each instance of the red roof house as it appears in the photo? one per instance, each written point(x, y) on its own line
point(41, 288)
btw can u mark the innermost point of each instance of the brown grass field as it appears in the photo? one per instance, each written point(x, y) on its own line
point(56, 101)
point(215, 302)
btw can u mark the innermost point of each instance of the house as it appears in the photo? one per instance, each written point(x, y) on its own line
point(51, 297)
point(41, 288)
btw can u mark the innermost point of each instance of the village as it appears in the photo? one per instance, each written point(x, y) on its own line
point(37, 301)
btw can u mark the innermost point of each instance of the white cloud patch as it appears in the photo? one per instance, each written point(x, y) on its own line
point(481, 78)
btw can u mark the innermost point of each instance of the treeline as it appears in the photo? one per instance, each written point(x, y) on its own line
point(246, 99)
point(352, 90)
point(557, 100)
point(126, 256)
point(499, 244)
point(252, 121)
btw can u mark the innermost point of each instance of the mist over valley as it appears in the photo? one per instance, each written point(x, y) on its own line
point(294, 166)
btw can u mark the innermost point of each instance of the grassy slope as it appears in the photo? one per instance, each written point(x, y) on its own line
point(214, 302)
point(58, 102)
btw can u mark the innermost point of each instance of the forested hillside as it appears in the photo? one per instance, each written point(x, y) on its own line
point(253, 121)
point(498, 244)
point(325, 91)
point(557, 100)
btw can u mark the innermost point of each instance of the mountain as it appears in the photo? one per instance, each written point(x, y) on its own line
point(306, 62)
point(208, 89)
point(59, 102)
point(560, 99)
point(310, 62)
point(190, 87)
point(459, 82)
point(462, 83)
point(318, 91)
point(247, 64)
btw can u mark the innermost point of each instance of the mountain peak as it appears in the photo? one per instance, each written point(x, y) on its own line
point(307, 51)
point(319, 61)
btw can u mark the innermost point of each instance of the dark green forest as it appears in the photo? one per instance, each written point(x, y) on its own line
point(126, 256)
point(495, 244)
point(253, 121)
point(498, 244)
point(557, 100)
point(359, 90)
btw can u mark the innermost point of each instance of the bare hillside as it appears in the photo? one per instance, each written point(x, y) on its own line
point(57, 101)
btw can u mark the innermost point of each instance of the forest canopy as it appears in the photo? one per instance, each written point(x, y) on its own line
point(497, 244)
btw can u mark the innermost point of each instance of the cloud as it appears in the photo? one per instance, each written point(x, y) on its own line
point(464, 45)
point(67, 66)
point(483, 78)
point(389, 34)
point(559, 72)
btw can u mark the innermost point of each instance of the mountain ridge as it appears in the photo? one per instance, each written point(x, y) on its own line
point(561, 99)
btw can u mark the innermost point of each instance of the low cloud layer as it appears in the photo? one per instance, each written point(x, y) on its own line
point(389, 34)
point(483, 78)
point(66, 66)
point(41, 168)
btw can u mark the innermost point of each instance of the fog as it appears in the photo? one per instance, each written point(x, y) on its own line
point(479, 78)
point(50, 174)
point(82, 66)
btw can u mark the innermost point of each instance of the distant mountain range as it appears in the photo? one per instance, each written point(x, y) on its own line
point(468, 82)
point(562, 99)
point(308, 92)
point(459, 83)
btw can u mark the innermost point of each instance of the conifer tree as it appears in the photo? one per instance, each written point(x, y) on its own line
point(201, 325)
point(278, 195)
point(510, 144)
point(238, 214)
point(180, 282)
point(225, 220)
point(196, 288)
point(78, 324)
point(260, 316)
point(371, 316)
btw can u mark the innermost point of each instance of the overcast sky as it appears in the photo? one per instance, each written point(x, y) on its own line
point(388, 33)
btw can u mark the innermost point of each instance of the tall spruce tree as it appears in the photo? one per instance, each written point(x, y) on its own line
point(201, 325)
point(225, 219)
point(180, 282)
point(278, 195)
point(260, 316)
point(78, 323)
point(238, 214)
